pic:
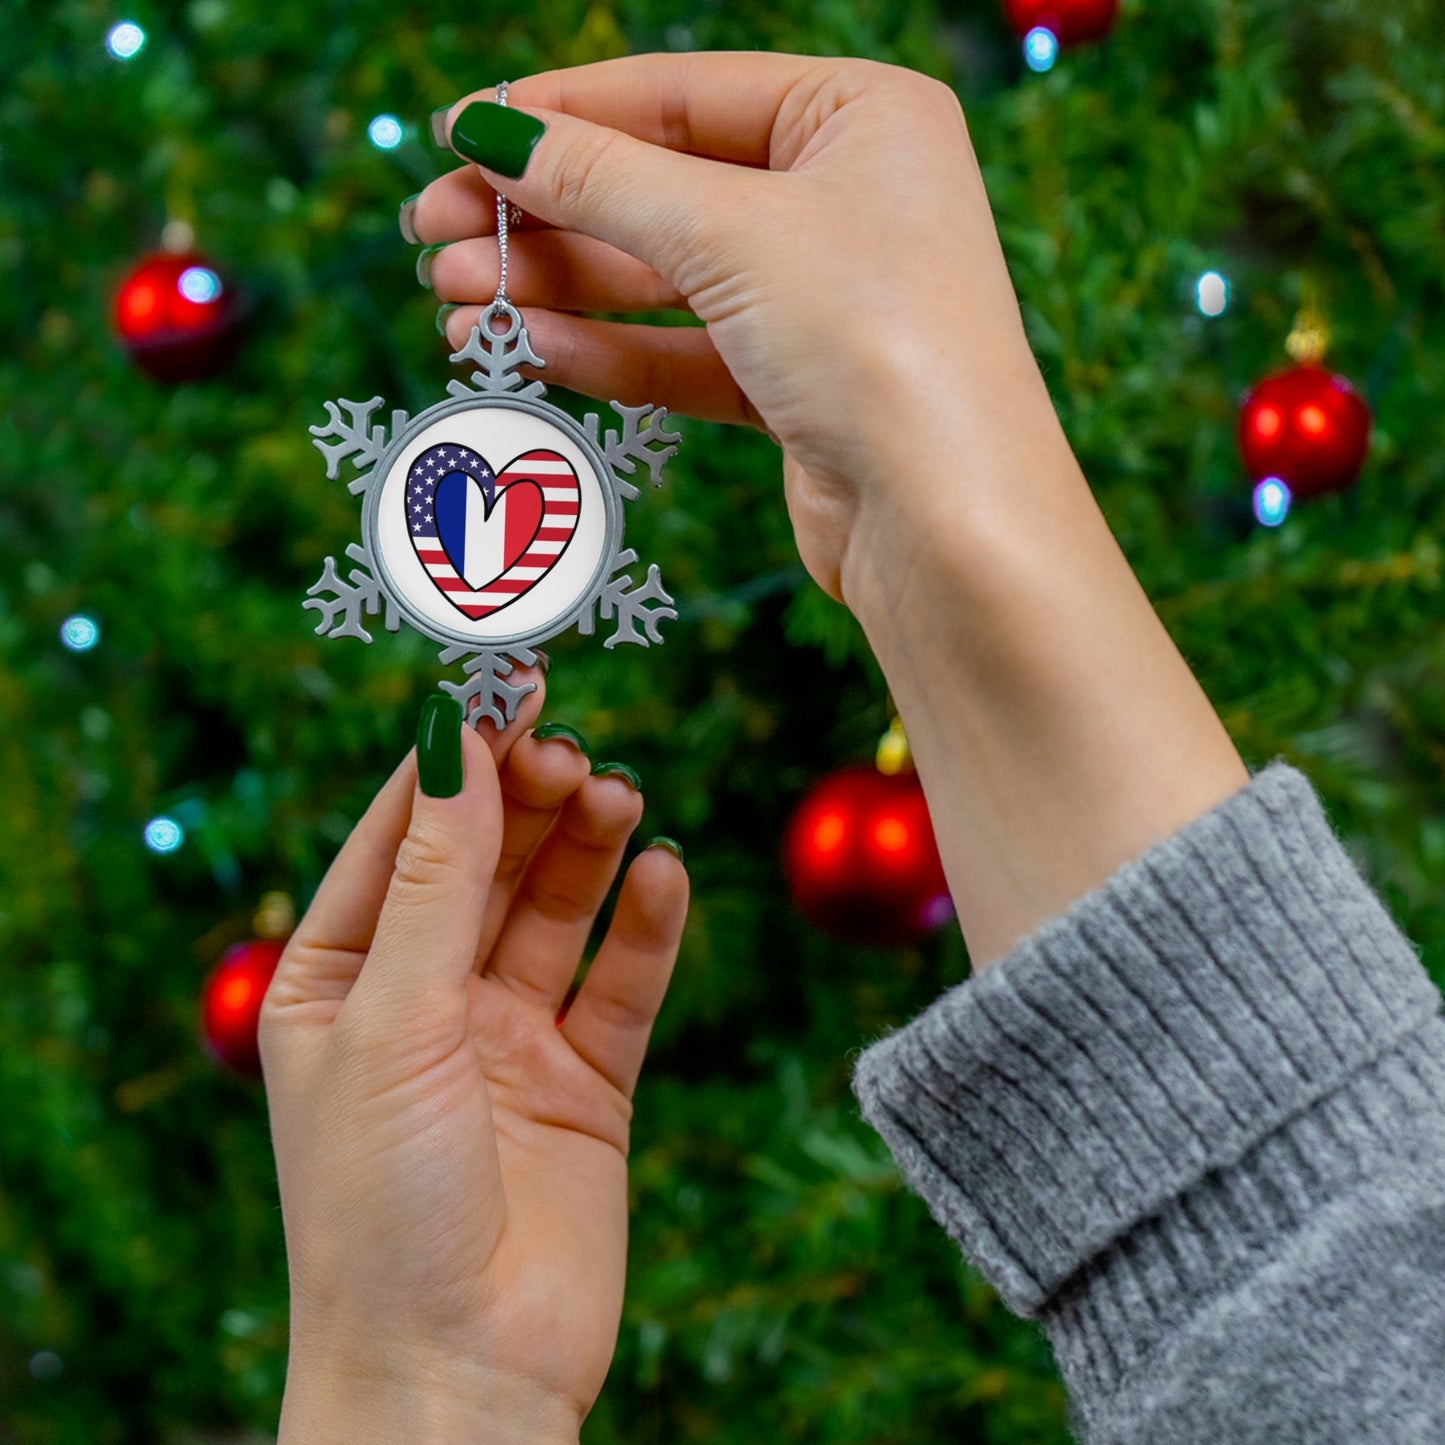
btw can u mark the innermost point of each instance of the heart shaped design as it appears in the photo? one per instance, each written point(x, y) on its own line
point(487, 538)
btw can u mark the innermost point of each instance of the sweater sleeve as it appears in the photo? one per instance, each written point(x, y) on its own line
point(1195, 1126)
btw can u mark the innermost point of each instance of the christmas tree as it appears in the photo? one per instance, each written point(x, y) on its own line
point(178, 744)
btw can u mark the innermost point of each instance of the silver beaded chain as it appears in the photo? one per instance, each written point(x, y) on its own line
point(501, 300)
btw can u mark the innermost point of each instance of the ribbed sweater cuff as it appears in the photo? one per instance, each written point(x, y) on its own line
point(1223, 983)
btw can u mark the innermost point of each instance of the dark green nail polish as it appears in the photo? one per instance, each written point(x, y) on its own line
point(561, 730)
point(617, 770)
point(423, 262)
point(439, 125)
point(405, 222)
point(443, 312)
point(496, 136)
point(439, 747)
point(671, 844)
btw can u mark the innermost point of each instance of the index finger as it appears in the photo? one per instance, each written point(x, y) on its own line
point(723, 105)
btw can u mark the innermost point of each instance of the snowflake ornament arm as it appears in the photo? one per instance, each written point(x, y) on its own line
point(498, 363)
point(486, 693)
point(359, 440)
point(643, 438)
point(341, 614)
point(631, 606)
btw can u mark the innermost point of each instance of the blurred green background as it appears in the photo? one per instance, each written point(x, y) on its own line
point(783, 1284)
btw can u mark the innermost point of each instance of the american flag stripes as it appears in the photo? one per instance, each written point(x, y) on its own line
point(488, 538)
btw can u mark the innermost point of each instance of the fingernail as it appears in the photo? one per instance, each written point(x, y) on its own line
point(543, 661)
point(496, 136)
point(439, 125)
point(443, 312)
point(671, 844)
point(423, 263)
point(617, 770)
point(561, 730)
point(439, 747)
point(405, 222)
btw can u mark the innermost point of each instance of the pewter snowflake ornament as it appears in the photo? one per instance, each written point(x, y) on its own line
point(492, 521)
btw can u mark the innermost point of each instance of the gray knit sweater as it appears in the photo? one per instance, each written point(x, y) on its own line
point(1196, 1127)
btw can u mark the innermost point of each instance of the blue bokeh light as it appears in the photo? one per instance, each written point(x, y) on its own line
point(1211, 294)
point(126, 40)
point(385, 132)
point(1271, 501)
point(80, 633)
point(1041, 48)
point(164, 835)
point(199, 284)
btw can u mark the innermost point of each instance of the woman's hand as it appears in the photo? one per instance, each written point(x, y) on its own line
point(452, 1158)
point(825, 218)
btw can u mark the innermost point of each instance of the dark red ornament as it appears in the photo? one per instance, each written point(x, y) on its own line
point(231, 1003)
point(1073, 22)
point(861, 860)
point(176, 317)
point(1307, 427)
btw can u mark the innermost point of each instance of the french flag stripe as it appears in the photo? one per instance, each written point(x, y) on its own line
point(485, 546)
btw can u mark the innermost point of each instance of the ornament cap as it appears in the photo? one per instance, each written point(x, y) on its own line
point(1310, 339)
point(275, 916)
point(894, 756)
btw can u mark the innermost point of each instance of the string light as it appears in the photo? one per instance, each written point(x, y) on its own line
point(1041, 48)
point(199, 284)
point(385, 132)
point(164, 835)
point(46, 1365)
point(1211, 294)
point(1271, 502)
point(80, 633)
point(126, 40)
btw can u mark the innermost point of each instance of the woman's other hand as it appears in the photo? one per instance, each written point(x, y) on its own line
point(452, 1156)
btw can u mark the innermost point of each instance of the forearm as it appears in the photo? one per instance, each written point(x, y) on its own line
point(1057, 730)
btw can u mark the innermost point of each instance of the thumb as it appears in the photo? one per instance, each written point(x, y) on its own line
point(656, 204)
point(425, 942)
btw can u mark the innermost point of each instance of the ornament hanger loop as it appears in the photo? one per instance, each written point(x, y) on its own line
point(498, 310)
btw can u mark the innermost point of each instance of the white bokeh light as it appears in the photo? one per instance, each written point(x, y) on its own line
point(199, 284)
point(126, 40)
point(1271, 502)
point(80, 633)
point(164, 835)
point(385, 132)
point(1211, 294)
point(1041, 48)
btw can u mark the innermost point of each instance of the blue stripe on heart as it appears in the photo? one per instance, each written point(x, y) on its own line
point(453, 497)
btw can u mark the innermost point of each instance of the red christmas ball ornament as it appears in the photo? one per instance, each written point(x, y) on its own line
point(1307, 427)
point(861, 860)
point(1071, 22)
point(231, 1003)
point(176, 318)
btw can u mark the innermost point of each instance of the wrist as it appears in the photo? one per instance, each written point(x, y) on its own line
point(953, 475)
point(1057, 730)
point(411, 1398)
